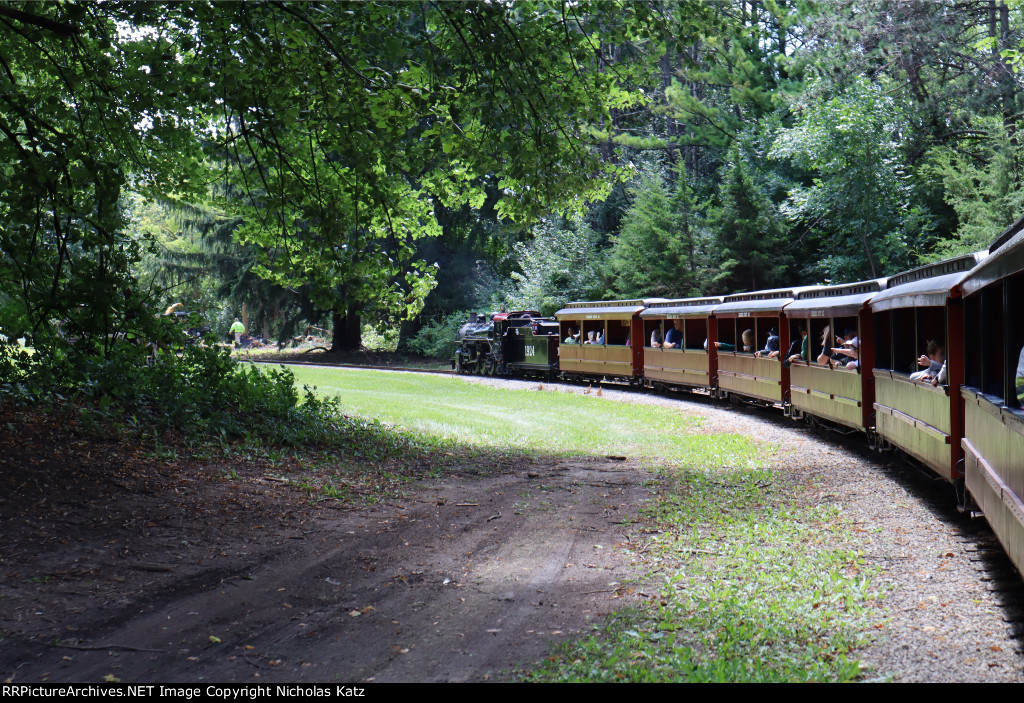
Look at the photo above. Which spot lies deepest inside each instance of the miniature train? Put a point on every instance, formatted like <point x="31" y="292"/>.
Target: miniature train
<point x="968" y="429"/>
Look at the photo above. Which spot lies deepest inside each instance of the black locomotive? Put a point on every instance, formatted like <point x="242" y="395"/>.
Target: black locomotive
<point x="508" y="343"/>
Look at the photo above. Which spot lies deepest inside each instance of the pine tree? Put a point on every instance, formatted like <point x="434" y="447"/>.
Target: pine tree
<point x="653" y="254"/>
<point x="749" y="235"/>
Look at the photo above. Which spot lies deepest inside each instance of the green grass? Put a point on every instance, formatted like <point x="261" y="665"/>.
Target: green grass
<point x="559" y="423"/>
<point x="754" y="588"/>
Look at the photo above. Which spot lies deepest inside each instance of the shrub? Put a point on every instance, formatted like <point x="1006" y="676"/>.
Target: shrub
<point x="437" y="338"/>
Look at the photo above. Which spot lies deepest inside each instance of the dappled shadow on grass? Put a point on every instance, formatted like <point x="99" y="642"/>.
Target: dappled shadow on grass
<point x="354" y="459"/>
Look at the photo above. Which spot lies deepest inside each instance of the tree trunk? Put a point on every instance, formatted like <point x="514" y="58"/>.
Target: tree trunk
<point x="348" y="332"/>
<point x="408" y="330"/>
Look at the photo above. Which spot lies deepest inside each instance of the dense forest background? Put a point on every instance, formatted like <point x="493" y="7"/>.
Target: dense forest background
<point x="790" y="143"/>
<point x="385" y="167"/>
<point x="795" y="143"/>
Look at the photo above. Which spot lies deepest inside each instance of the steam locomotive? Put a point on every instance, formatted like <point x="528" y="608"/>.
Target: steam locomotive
<point x="842" y="355"/>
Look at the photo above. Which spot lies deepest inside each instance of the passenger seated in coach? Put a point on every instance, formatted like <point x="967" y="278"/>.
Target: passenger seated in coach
<point x="804" y="351"/>
<point x="771" y="347"/>
<point x="573" y="337"/>
<point x="591" y="337"/>
<point x="828" y="352"/>
<point x="656" y="338"/>
<point x="748" y="340"/>
<point x="600" y="337"/>
<point x="934" y="358"/>
<point x="826" y="344"/>
<point x="674" y="335"/>
<point x="850" y="348"/>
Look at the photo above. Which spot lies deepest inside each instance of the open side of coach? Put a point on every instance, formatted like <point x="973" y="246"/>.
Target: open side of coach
<point x="740" y="370"/>
<point x="691" y="364"/>
<point x="921" y="417"/>
<point x="993" y="442"/>
<point x="841" y="389"/>
<point x="619" y="354"/>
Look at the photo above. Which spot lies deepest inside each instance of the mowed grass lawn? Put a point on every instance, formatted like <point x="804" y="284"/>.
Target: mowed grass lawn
<point x="494" y="418"/>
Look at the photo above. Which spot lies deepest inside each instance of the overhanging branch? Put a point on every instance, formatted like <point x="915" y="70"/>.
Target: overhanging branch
<point x="64" y="30"/>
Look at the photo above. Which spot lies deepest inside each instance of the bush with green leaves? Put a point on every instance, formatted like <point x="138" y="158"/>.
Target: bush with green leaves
<point x="436" y="338"/>
<point x="16" y="370"/>
<point x="199" y="391"/>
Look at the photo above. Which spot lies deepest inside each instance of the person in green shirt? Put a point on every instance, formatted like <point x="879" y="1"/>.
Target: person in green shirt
<point x="237" y="329"/>
<point x="805" y="351"/>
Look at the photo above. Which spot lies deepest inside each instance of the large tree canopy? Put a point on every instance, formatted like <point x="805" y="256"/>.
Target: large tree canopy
<point x="333" y="129"/>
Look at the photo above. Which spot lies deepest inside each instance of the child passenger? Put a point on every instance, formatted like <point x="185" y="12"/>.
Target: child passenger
<point x="934" y="359"/>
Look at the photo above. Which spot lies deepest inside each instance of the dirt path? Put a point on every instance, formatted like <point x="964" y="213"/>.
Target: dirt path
<point x="169" y="578"/>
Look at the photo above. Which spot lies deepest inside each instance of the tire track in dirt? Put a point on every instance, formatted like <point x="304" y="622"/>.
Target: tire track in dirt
<point x="467" y="578"/>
